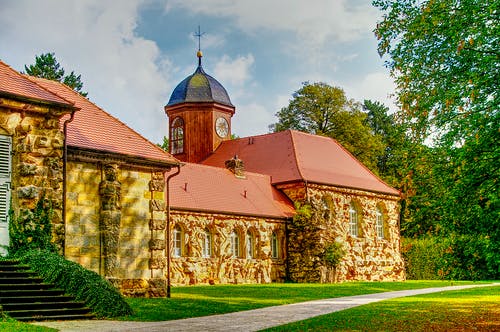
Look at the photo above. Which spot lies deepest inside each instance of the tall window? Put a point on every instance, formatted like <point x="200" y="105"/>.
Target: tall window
<point x="353" y="220"/>
<point x="207" y="244"/>
<point x="380" y="223"/>
<point x="274" y="246"/>
<point x="5" y="180"/>
<point x="177" y="241"/>
<point x="250" y="245"/>
<point x="177" y="136"/>
<point x="235" y="244"/>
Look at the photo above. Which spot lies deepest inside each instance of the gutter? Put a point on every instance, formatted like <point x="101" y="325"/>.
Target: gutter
<point x="167" y="247"/>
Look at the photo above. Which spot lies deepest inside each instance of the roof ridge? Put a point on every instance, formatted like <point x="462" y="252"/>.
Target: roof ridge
<point x="86" y="100"/>
<point x="363" y="165"/>
<point x="294" y="149"/>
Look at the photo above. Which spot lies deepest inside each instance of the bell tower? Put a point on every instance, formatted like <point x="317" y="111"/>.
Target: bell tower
<point x="199" y="116"/>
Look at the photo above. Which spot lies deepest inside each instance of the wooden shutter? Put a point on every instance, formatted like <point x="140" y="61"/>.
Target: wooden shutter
<point x="5" y="173"/>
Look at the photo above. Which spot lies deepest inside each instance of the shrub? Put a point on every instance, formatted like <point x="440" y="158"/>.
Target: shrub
<point x="461" y="257"/>
<point x="85" y="285"/>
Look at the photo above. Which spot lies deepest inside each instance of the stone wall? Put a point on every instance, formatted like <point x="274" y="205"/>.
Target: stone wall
<point x="37" y="147"/>
<point x="140" y="260"/>
<point x="222" y="267"/>
<point x="367" y="257"/>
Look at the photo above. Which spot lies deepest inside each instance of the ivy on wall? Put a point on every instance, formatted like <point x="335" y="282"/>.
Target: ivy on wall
<point x="32" y="229"/>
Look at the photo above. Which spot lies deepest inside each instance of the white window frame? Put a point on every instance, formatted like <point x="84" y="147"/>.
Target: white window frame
<point x="250" y="245"/>
<point x="353" y="220"/>
<point x="379" y="224"/>
<point x="235" y="244"/>
<point x="274" y="246"/>
<point x="177" y="241"/>
<point x="206" y="250"/>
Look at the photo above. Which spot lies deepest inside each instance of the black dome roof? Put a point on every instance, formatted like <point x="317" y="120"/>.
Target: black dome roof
<point x="199" y="87"/>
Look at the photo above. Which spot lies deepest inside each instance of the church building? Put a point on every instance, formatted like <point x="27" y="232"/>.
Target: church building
<point x="215" y="210"/>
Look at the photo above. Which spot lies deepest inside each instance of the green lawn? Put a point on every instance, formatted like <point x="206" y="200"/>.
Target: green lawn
<point x="194" y="301"/>
<point x="475" y="309"/>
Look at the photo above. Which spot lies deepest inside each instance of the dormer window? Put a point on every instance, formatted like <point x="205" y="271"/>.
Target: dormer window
<point x="177" y="136"/>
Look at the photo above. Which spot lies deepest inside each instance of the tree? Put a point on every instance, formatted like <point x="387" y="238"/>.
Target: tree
<point x="46" y="66"/>
<point x="322" y="109"/>
<point x="165" y="145"/>
<point x="444" y="55"/>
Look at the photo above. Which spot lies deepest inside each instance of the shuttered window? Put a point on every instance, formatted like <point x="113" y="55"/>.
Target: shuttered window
<point x="5" y="170"/>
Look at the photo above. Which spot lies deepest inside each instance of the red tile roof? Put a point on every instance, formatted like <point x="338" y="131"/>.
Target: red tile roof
<point x="290" y="156"/>
<point x="214" y="189"/>
<point x="14" y="83"/>
<point x="93" y="128"/>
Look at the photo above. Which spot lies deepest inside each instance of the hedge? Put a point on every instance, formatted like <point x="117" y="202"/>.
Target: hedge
<point x="85" y="285"/>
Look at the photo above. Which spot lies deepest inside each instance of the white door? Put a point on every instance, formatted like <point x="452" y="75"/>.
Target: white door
<point x="5" y="178"/>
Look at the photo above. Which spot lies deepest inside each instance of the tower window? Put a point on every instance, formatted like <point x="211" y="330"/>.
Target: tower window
<point x="177" y="136"/>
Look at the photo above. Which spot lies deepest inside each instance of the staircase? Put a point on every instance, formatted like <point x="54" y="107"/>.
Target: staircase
<point x="25" y="297"/>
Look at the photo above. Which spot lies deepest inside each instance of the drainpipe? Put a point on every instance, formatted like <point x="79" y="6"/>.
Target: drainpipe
<point x="65" y="161"/>
<point x="167" y="249"/>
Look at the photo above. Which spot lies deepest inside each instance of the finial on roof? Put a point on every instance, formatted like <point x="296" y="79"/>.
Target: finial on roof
<point x="199" y="54"/>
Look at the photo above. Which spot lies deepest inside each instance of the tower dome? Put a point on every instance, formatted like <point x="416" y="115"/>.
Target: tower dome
<point x="199" y="88"/>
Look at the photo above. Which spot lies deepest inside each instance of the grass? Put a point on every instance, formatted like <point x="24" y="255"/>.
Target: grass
<point x="476" y="309"/>
<point x="195" y="301"/>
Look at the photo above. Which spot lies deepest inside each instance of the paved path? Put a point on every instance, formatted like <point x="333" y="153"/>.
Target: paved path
<point x="250" y="320"/>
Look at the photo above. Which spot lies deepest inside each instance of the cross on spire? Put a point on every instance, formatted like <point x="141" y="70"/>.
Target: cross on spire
<point x="199" y="34"/>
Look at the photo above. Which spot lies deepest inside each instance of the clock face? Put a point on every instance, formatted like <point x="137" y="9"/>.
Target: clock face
<point x="221" y="127"/>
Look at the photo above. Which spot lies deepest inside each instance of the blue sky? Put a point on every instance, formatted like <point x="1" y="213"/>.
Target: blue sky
<point x="131" y="53"/>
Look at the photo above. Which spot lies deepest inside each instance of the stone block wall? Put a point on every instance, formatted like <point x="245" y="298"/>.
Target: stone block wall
<point x="141" y="205"/>
<point x="37" y="147"/>
<point x="222" y="267"/>
<point x="367" y="257"/>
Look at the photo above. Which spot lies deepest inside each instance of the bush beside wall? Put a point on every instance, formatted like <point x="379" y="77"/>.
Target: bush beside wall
<point x="85" y="285"/>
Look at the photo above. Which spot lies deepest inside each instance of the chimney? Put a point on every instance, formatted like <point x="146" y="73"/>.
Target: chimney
<point x="236" y="166"/>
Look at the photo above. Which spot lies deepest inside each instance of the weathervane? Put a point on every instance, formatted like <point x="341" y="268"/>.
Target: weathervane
<point x="199" y="34"/>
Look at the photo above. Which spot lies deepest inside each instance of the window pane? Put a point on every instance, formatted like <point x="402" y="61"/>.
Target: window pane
<point x="380" y="223"/>
<point x="207" y="245"/>
<point x="353" y="220"/>
<point x="274" y="246"/>
<point x="177" y="242"/>
<point x="250" y="245"/>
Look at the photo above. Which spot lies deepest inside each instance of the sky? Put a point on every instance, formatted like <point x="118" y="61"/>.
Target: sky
<point x="132" y="53"/>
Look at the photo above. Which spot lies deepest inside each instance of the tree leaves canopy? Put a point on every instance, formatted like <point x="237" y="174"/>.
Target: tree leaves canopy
<point x="325" y="110"/>
<point x="46" y="66"/>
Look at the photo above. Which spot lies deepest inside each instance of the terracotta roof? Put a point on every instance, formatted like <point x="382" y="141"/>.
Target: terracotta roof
<point x="93" y="128"/>
<point x="290" y="156"/>
<point x="213" y="189"/>
<point x="19" y="85"/>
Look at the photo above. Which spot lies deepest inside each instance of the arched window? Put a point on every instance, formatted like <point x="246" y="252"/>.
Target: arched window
<point x="177" y="241"/>
<point x="380" y="223"/>
<point x="207" y="244"/>
<point x="353" y="220"/>
<point x="177" y="136"/>
<point x="235" y="244"/>
<point x="274" y="246"/>
<point x="250" y="245"/>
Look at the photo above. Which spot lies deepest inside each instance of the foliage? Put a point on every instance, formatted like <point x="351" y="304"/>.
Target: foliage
<point x="32" y="229"/>
<point x="333" y="254"/>
<point x="14" y="325"/>
<point x="46" y="66"/>
<point x="322" y="109"/>
<point x="195" y="301"/>
<point x="444" y="57"/>
<point x="85" y="285"/>
<point x="165" y="145"/>
<point x="471" y="309"/>
<point x="454" y="258"/>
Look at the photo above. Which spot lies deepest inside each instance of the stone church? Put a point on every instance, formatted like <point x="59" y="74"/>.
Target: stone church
<point x="214" y="210"/>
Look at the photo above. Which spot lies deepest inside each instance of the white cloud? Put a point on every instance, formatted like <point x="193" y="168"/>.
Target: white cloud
<point x="97" y="40"/>
<point x="376" y="86"/>
<point x="312" y="21"/>
<point x="250" y="119"/>
<point x="234" y="71"/>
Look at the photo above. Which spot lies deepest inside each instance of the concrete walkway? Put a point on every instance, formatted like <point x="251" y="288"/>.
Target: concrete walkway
<point x="250" y="320"/>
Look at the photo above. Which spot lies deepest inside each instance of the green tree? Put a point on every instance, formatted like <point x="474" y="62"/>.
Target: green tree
<point x="444" y="55"/>
<point x="46" y="66"/>
<point x="325" y="110"/>
<point x="165" y="145"/>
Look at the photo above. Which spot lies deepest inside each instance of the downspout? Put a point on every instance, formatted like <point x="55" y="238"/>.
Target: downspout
<point x="167" y="249"/>
<point x="65" y="161"/>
